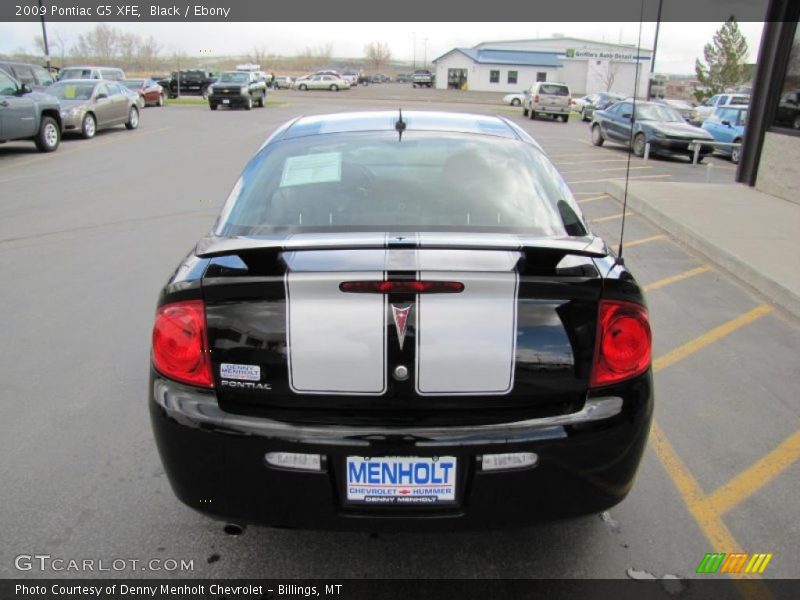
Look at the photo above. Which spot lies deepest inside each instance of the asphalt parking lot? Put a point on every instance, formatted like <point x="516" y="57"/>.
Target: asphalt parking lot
<point x="90" y="233"/>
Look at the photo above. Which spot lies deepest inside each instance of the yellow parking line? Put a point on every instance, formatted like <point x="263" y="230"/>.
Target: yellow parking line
<point x="588" y="162"/>
<point x="604" y="170"/>
<point x="646" y="240"/>
<point x="618" y="179"/>
<point x="593" y="198"/>
<point x="715" y="530"/>
<point x="610" y="217"/>
<point x="764" y="470"/>
<point x="675" y="278"/>
<point x="689" y="348"/>
<point x="706" y="514"/>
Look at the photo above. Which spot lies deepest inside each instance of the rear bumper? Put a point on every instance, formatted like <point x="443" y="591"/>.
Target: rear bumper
<point x="215" y="463"/>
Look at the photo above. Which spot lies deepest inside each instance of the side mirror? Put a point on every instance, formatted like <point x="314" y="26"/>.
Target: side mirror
<point x="25" y="89"/>
<point x="101" y="96"/>
<point x="627" y="116"/>
<point x="726" y="123"/>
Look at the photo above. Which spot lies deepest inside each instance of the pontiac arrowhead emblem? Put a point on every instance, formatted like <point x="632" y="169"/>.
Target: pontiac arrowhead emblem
<point x="400" y="314"/>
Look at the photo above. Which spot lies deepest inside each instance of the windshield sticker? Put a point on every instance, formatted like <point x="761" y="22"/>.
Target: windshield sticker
<point x="312" y="168"/>
<point x="69" y="92"/>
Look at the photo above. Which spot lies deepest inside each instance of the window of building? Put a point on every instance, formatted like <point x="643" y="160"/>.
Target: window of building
<point x="512" y="76"/>
<point x="787" y="113"/>
<point x="541" y="76"/>
<point x="494" y="76"/>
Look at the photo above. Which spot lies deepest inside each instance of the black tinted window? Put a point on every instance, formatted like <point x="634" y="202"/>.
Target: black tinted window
<point x="554" y="90"/>
<point x="374" y="180"/>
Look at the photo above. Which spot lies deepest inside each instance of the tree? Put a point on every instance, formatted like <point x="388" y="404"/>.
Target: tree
<point x="377" y="55"/>
<point x="607" y="74"/>
<point x="724" y="62"/>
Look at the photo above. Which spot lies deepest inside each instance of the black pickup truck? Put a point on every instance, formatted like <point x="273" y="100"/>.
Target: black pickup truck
<point x="190" y="81"/>
<point x="237" y="88"/>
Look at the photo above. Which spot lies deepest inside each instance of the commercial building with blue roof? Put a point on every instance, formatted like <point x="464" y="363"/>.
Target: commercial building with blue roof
<point x="514" y="65"/>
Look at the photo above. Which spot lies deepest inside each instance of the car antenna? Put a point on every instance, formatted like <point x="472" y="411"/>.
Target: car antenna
<point x="620" y="260"/>
<point x="400" y="125"/>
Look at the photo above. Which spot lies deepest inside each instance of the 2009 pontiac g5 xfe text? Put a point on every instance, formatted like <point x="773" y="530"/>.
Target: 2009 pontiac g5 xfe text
<point x="400" y="320"/>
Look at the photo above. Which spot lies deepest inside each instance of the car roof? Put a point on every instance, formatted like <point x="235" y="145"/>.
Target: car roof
<point x="385" y="121"/>
<point x="92" y="81"/>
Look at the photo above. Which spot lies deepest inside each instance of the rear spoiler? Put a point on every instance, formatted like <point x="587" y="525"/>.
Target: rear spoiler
<point x="589" y="246"/>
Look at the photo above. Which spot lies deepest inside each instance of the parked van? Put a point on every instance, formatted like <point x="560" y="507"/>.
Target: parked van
<point x="35" y="77"/>
<point x="547" y="98"/>
<point x="92" y="73"/>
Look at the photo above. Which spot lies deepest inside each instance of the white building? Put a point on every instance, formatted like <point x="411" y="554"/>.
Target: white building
<point x="512" y="66"/>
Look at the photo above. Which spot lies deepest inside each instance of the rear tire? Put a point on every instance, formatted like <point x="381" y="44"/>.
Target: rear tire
<point x="49" y="136"/>
<point x="565" y="118"/>
<point x="133" y="118"/>
<point x="533" y="114"/>
<point x="515" y="102"/>
<point x="583" y="115"/>
<point x="249" y="104"/>
<point x="161" y="101"/>
<point x="212" y="106"/>
<point x="334" y="88"/>
<point x="736" y="153"/>
<point x="262" y="100"/>
<point x="639" y="144"/>
<point x="597" y="135"/>
<point x="524" y="112"/>
<point x="302" y="87"/>
<point x="88" y="126"/>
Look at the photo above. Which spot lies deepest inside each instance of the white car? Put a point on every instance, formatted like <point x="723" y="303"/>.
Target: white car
<point x="514" y="99"/>
<point x="283" y="82"/>
<point x="321" y="82"/>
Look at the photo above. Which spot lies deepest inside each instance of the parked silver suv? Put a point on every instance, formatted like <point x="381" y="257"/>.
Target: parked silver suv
<point x="547" y="98"/>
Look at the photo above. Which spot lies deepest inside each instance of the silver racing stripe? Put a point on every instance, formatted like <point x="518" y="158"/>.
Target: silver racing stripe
<point x="336" y="341"/>
<point x="466" y="342"/>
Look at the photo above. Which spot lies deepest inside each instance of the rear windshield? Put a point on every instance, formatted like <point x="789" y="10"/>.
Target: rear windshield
<point x="428" y="181"/>
<point x="133" y="84"/>
<point x="554" y="90"/>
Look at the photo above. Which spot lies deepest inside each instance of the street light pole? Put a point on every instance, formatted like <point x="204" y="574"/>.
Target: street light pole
<point x="655" y="49"/>
<point x="425" y="55"/>
<point x="44" y="38"/>
<point x="414" y="35"/>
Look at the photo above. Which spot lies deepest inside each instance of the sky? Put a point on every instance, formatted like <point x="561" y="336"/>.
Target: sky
<point x="679" y="43"/>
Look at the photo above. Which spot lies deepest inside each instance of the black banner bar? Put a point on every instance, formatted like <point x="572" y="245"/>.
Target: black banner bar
<point x="375" y="10"/>
<point x="405" y="589"/>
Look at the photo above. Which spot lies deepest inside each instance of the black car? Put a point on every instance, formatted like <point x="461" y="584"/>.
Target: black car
<point x="400" y="322"/>
<point x="788" y="111"/>
<point x="237" y="88"/>
<point x="656" y="124"/>
<point x="187" y="82"/>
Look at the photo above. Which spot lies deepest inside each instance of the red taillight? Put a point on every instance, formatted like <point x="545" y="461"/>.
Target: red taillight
<point x="399" y="286"/>
<point x="180" y="350"/>
<point x="536" y="98"/>
<point x="623" y="345"/>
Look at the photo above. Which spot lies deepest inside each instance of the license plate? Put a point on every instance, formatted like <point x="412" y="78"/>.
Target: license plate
<point x="226" y="101"/>
<point x="401" y="480"/>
